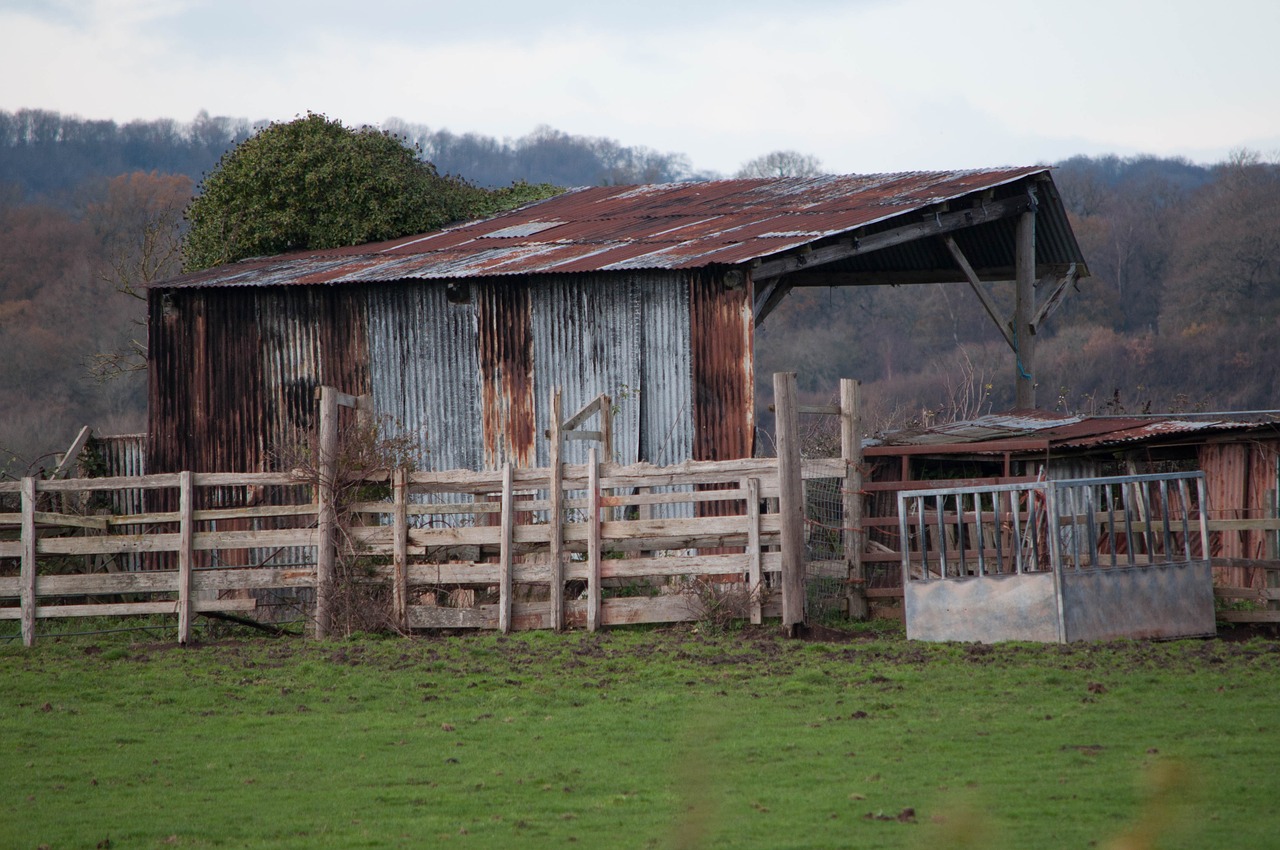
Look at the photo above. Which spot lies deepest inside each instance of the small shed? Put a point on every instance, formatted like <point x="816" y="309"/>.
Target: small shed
<point x="649" y="294"/>
<point x="1240" y="460"/>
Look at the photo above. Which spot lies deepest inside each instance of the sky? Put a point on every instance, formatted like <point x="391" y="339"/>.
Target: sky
<point x="864" y="85"/>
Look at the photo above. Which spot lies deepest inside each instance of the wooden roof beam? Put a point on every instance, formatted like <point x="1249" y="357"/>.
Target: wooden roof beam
<point x="1002" y="324"/>
<point x="934" y="225"/>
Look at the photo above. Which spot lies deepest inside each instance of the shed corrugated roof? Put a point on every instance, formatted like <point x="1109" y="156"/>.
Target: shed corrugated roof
<point x="1057" y="429"/>
<point x="611" y="228"/>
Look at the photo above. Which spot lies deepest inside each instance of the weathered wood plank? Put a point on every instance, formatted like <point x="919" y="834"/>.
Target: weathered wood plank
<point x="853" y="535"/>
<point x="132" y="609"/>
<point x="676" y="608"/>
<point x="1259" y="594"/>
<point x="327" y="520"/>
<point x="186" y="556"/>
<point x="69" y="520"/>
<point x="1248" y="616"/>
<point x="253" y="578"/>
<point x="593" y="542"/>
<point x="400" y="547"/>
<point x="791" y="499"/>
<point x="429" y="617"/>
<point x="755" y="559"/>
<point x="506" y="550"/>
<point x="555" y="514"/>
<point x="27" y="605"/>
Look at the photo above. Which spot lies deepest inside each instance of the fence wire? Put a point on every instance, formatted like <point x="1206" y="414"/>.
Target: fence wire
<point x="826" y="568"/>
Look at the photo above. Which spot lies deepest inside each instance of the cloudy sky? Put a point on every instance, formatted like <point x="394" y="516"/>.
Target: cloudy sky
<point x="865" y="85"/>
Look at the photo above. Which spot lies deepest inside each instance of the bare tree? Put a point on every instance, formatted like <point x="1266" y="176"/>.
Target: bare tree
<point x="781" y="164"/>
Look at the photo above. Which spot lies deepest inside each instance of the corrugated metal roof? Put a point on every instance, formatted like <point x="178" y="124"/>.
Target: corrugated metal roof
<point x="611" y="228"/>
<point x="1057" y="429"/>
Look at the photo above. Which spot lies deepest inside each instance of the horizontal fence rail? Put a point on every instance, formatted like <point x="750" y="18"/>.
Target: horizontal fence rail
<point x="501" y="549"/>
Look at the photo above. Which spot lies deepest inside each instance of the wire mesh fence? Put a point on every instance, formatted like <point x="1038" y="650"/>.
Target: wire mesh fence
<point x="826" y="566"/>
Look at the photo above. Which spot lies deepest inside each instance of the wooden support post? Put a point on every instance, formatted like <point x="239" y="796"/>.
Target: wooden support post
<point x="854" y="536"/>
<point x="186" y="555"/>
<point x="400" y="546"/>
<point x="593" y="541"/>
<point x="606" y="426"/>
<point x="27" y="600"/>
<point x="755" y="577"/>
<point x="1024" y="312"/>
<point x="1271" y="548"/>
<point x="790" y="500"/>
<point x="506" y="550"/>
<point x="555" y="513"/>
<point x="326" y="491"/>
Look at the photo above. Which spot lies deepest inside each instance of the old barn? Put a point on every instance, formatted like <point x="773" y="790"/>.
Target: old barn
<point x="649" y="294"/>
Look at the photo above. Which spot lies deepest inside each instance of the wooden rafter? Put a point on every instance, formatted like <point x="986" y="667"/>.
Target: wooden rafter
<point x="1055" y="298"/>
<point x="934" y="225"/>
<point x="992" y="310"/>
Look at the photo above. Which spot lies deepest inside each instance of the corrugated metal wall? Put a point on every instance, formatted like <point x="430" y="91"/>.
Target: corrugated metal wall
<point x="468" y="373"/>
<point x="721" y="344"/>
<point x="424" y="372"/>
<point x="233" y="372"/>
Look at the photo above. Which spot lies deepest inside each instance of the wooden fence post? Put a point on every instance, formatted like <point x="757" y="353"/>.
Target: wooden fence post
<point x="790" y="500"/>
<point x="400" y="546"/>
<point x="186" y="553"/>
<point x="854" y="540"/>
<point x="506" y="550"/>
<point x="27" y="601"/>
<point x="555" y="513"/>
<point x="606" y="426"/>
<point x="593" y="541"/>
<point x="755" y="583"/>
<point x="326" y="488"/>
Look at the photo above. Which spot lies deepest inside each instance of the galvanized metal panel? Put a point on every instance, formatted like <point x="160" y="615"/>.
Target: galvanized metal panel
<point x="424" y="372"/>
<point x="1152" y="601"/>
<point x="587" y="341"/>
<point x="666" y="379"/>
<point x="988" y="609"/>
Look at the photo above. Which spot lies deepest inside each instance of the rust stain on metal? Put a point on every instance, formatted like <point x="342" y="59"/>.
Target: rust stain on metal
<point x="611" y="228"/>
<point x="720" y="338"/>
<point x="506" y="373"/>
<point x="233" y="376"/>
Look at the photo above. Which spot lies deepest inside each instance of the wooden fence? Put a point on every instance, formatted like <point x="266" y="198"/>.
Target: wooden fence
<point x="575" y="545"/>
<point x="192" y="555"/>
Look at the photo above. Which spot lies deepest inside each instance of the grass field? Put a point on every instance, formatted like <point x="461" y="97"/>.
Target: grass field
<point x="639" y="738"/>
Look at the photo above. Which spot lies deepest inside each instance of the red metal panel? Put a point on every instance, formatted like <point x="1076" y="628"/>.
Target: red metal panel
<point x="506" y="373"/>
<point x="720" y="330"/>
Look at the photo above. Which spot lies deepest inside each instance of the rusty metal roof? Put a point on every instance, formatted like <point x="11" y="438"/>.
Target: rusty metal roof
<point x="612" y="228"/>
<point x="1058" y="430"/>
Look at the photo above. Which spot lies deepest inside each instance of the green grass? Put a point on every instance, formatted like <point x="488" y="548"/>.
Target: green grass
<point x="638" y="738"/>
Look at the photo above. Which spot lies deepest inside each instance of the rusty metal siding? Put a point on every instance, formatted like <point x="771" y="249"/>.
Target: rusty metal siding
<point x="720" y="329"/>
<point x="505" y="346"/>
<point x="424" y="372"/>
<point x="233" y="373"/>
